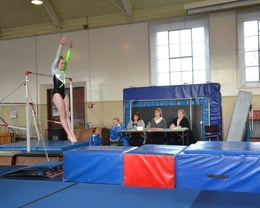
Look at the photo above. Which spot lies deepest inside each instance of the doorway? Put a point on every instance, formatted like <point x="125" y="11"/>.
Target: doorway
<point x="55" y="131"/>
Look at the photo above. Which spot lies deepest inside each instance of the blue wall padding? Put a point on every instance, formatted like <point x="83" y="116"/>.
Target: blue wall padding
<point x="229" y="166"/>
<point x="158" y="149"/>
<point x="177" y="91"/>
<point x="211" y="91"/>
<point x="103" y="164"/>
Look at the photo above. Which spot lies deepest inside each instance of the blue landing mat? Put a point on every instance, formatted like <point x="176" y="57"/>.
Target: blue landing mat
<point x="38" y="170"/>
<point x="220" y="199"/>
<point x="16" y="193"/>
<point x="17" y="169"/>
<point x="35" y="194"/>
<point x="100" y="196"/>
<point x="158" y="149"/>
<point x="7" y="168"/>
<point x="36" y="146"/>
<point x="224" y="148"/>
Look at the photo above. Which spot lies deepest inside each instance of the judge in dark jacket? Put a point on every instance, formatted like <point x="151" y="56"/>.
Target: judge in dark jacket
<point x="180" y="122"/>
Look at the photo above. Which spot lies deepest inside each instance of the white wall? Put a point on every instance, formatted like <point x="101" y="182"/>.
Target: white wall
<point x="106" y="60"/>
<point x="16" y="56"/>
<point x="223" y="51"/>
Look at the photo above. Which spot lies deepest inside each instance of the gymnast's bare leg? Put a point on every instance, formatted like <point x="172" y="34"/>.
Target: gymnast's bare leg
<point x="62" y="106"/>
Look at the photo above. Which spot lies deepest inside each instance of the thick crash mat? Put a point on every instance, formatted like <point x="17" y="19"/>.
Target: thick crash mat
<point x="95" y="164"/>
<point x="151" y="166"/>
<point x="230" y="166"/>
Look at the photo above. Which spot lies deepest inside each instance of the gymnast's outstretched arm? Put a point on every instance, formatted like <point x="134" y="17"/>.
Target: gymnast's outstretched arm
<point x="58" y="54"/>
<point x="67" y="58"/>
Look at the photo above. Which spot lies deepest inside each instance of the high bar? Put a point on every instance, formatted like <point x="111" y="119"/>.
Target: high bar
<point x="45" y="75"/>
<point x="13" y="127"/>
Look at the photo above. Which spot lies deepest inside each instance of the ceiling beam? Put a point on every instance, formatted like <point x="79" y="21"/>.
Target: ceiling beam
<point x="123" y="10"/>
<point x="52" y="13"/>
<point x="128" y="8"/>
<point x="217" y="5"/>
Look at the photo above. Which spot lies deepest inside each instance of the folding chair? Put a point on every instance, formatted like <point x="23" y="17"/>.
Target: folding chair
<point x="212" y="131"/>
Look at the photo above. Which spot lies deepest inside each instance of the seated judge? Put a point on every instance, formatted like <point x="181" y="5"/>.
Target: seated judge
<point x="179" y="122"/>
<point x="156" y="123"/>
<point x="136" y="138"/>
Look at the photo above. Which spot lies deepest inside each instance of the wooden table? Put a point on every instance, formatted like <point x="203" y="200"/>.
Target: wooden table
<point x="180" y="131"/>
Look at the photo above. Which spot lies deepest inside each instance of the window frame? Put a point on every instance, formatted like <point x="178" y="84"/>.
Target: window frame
<point x="174" y="24"/>
<point x="244" y="16"/>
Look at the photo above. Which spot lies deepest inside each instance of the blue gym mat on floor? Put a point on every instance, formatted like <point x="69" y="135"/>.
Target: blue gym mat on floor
<point x="37" y="146"/>
<point x="35" y="194"/>
<point x="222" y="199"/>
<point x="16" y="193"/>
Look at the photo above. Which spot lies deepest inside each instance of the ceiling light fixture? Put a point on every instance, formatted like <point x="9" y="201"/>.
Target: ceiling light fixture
<point x="37" y="2"/>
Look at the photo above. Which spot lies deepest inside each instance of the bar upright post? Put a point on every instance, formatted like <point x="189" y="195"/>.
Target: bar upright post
<point x="71" y="105"/>
<point x="28" y="136"/>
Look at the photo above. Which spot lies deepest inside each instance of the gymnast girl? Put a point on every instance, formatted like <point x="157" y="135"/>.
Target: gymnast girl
<point x="60" y="98"/>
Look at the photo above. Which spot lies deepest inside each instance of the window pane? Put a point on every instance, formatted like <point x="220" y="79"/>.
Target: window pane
<point x="162" y="52"/>
<point x="185" y="36"/>
<point x="175" y="51"/>
<point x="186" y="49"/>
<point x="199" y="76"/>
<point x="198" y="49"/>
<point x="174" y="37"/>
<point x="186" y="64"/>
<point x="181" y="53"/>
<point x="162" y="38"/>
<point x="251" y="58"/>
<point x="187" y="77"/>
<point x="198" y="34"/>
<point x="163" y="65"/>
<point x="251" y="43"/>
<point x="199" y="63"/>
<point x="176" y="78"/>
<point x="176" y="65"/>
<point x="250" y="28"/>
<point x="252" y="74"/>
<point x="163" y="79"/>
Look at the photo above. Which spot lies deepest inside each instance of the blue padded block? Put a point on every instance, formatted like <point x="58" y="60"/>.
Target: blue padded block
<point x="95" y="164"/>
<point x="226" y="148"/>
<point x="154" y="149"/>
<point x="230" y="166"/>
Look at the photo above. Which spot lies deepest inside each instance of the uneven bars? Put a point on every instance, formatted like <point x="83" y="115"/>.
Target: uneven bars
<point x="71" y="107"/>
<point x="27" y="113"/>
<point x="45" y="75"/>
<point x="27" y="73"/>
<point x="13" y="127"/>
<point x="15" y="103"/>
<point x="51" y="121"/>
